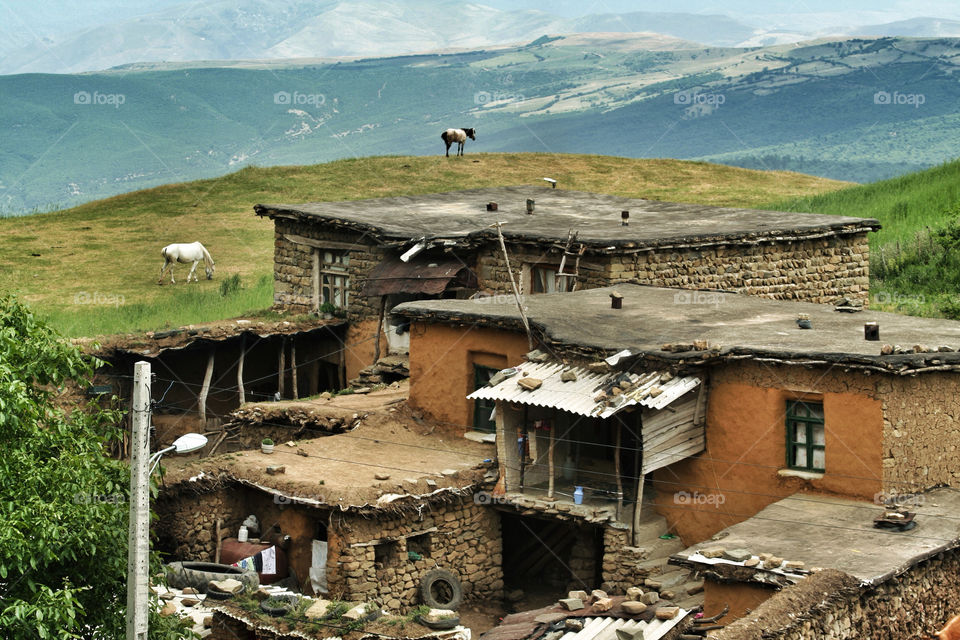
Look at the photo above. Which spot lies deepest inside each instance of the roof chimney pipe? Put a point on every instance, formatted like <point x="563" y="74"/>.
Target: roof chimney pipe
<point x="616" y="300"/>
<point x="624" y="218"/>
<point x="530" y="204"/>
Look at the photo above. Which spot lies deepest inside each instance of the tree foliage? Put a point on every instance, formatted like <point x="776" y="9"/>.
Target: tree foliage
<point x="63" y="537"/>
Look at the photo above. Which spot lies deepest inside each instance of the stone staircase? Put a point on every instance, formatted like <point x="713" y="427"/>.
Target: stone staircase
<point x="679" y="585"/>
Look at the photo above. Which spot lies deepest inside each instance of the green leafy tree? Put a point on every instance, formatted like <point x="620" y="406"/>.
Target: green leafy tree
<point x="63" y="500"/>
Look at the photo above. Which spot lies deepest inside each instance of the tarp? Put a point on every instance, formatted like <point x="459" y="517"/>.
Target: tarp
<point x="421" y="275"/>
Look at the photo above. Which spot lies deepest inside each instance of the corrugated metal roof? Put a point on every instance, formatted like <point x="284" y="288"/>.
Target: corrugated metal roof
<point x="606" y="628"/>
<point x="581" y="395"/>
<point x="420" y="275"/>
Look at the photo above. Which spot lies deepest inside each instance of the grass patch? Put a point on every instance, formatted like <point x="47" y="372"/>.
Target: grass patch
<point x="914" y="262"/>
<point x="110" y="249"/>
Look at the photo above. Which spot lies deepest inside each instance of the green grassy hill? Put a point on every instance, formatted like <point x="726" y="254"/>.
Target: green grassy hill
<point x="914" y="265"/>
<point x="93" y="269"/>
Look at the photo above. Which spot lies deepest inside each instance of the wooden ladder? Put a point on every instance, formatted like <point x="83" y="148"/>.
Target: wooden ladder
<point x="570" y="252"/>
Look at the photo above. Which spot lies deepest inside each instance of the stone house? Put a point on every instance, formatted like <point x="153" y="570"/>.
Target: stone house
<point x="364" y="257"/>
<point x="787" y="410"/>
<point x="361" y="521"/>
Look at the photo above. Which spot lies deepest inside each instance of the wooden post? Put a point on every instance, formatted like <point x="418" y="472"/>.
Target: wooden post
<point x="293" y="367"/>
<point x="243" y="353"/>
<point x="314" y="376"/>
<point x="513" y="283"/>
<point x="216" y="557"/>
<point x="342" y="369"/>
<point x="205" y="389"/>
<point x="637" y="509"/>
<point x="282" y="366"/>
<point x="550" y="463"/>
<point x="616" y="466"/>
<point x="376" y="344"/>
<point x="315" y="257"/>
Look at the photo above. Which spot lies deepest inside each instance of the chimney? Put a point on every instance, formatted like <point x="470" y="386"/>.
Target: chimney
<point x="492" y="206"/>
<point x="530" y="204"/>
<point x="616" y="300"/>
<point x="624" y="218"/>
<point x="871" y="331"/>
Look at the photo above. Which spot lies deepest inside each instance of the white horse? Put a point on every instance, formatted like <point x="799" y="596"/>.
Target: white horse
<point x="193" y="252"/>
<point x="458" y="136"/>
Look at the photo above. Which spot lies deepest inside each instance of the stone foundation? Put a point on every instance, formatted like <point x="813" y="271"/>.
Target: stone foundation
<point x="461" y="537"/>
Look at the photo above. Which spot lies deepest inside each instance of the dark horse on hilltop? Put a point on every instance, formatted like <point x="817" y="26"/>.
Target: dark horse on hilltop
<point x="459" y="136"/>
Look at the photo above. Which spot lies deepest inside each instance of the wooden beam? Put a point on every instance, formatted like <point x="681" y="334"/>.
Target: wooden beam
<point x="325" y="244"/>
<point x="205" y="389"/>
<point x="293" y="368"/>
<point x="376" y="344"/>
<point x="616" y="465"/>
<point x="282" y="366"/>
<point x="315" y="279"/>
<point x="550" y="462"/>
<point x="636" y="511"/>
<point x="216" y="555"/>
<point x="243" y="350"/>
<point x="372" y="543"/>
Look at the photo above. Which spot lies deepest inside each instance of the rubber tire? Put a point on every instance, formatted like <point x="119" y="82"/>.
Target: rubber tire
<point x="180" y="575"/>
<point x="293" y="602"/>
<point x="435" y="576"/>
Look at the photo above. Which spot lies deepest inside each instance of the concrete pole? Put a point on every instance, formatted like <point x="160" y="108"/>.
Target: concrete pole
<point x="243" y="353"/>
<point x="138" y="550"/>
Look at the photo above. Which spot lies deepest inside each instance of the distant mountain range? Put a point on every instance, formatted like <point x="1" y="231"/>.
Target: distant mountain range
<point x="854" y="108"/>
<point x="111" y="34"/>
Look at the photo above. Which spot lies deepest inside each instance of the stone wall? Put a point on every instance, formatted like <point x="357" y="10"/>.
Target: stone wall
<point x="467" y="542"/>
<point x="828" y="604"/>
<point x="921" y="431"/>
<point x="186" y="522"/>
<point x="293" y="268"/>
<point x="621" y="561"/>
<point x="818" y="270"/>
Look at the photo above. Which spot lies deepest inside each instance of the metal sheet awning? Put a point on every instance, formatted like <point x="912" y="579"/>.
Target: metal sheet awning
<point x="421" y="275"/>
<point x="583" y="395"/>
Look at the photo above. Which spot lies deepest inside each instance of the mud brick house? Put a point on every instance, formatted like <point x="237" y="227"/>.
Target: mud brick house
<point x="370" y="513"/>
<point x="774" y="569"/>
<point x="787" y="410"/>
<point x="366" y="256"/>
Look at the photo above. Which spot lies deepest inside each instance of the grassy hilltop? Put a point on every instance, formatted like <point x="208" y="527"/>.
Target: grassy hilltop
<point x="915" y="258"/>
<point x="93" y="269"/>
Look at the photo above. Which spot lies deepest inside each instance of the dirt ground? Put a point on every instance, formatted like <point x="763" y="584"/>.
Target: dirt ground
<point x="390" y="452"/>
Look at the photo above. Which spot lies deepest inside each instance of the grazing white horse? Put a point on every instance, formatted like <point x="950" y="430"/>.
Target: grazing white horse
<point x="459" y="136"/>
<point x="190" y="252"/>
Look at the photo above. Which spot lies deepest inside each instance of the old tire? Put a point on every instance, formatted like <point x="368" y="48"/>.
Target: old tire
<point x="440" y="589"/>
<point x="181" y="575"/>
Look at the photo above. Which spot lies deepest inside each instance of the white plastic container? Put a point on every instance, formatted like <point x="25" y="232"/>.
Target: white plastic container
<point x="242" y="534"/>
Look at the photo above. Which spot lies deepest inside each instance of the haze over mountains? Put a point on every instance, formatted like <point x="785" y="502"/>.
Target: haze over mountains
<point x="43" y="38"/>
<point x="203" y="88"/>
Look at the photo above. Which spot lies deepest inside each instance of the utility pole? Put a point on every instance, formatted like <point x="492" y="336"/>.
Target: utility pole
<point x="138" y="555"/>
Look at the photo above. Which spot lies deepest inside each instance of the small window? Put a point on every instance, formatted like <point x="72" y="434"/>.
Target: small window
<point x="545" y="280"/>
<point x="419" y="544"/>
<point x="385" y="554"/>
<point x="335" y="278"/>
<point x="483" y="409"/>
<point x="806" y="436"/>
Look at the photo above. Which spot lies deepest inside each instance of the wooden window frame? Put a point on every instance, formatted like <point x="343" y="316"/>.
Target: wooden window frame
<point x="809" y="423"/>
<point x="567" y="282"/>
<point x="334" y="277"/>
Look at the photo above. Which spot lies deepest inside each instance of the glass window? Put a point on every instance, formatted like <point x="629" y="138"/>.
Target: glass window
<point x="335" y="278"/>
<point x="806" y="436"/>
<point x="545" y="280"/>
